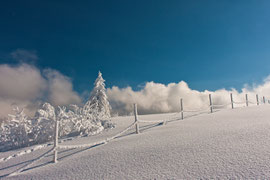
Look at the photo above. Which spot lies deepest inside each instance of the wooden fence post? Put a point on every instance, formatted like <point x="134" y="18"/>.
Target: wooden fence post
<point x="247" y="99"/>
<point x="210" y="101"/>
<point x="136" y="119"/>
<point x="257" y="98"/>
<point x="232" y="100"/>
<point x="55" y="140"/>
<point x="181" y="108"/>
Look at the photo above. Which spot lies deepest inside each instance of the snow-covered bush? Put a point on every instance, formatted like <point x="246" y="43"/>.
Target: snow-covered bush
<point x="16" y="132"/>
<point x="43" y="123"/>
<point x="83" y="123"/>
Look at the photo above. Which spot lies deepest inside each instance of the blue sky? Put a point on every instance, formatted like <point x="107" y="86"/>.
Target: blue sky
<point x="209" y="44"/>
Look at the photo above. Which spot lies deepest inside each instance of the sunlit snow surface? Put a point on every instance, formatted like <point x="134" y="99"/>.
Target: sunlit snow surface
<point x="228" y="144"/>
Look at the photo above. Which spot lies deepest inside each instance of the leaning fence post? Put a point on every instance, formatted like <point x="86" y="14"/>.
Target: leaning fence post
<point x="263" y="100"/>
<point x="257" y="98"/>
<point x="210" y="101"/>
<point x="232" y="100"/>
<point x="55" y="140"/>
<point x="181" y="108"/>
<point x="247" y="99"/>
<point x="136" y="119"/>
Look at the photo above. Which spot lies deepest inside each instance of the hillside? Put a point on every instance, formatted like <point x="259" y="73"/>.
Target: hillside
<point x="226" y="144"/>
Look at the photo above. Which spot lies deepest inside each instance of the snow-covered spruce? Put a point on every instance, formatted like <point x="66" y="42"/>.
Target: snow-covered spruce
<point x="98" y="105"/>
<point x="97" y="108"/>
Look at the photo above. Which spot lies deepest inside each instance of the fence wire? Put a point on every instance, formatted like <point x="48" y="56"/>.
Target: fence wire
<point x="98" y="142"/>
<point x="197" y="110"/>
<point x="29" y="164"/>
<point x="221" y="105"/>
<point x="171" y="117"/>
<point x="251" y="102"/>
<point x="235" y="102"/>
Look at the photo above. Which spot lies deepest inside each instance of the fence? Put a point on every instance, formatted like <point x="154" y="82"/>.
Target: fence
<point x="136" y="123"/>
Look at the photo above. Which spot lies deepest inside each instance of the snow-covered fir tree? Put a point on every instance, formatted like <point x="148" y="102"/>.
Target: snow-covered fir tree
<point x="98" y="107"/>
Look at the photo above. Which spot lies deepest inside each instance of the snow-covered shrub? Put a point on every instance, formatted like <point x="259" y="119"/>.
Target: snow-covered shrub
<point x="75" y="119"/>
<point x="16" y="132"/>
<point x="43" y="125"/>
<point x="83" y="123"/>
<point x="66" y="124"/>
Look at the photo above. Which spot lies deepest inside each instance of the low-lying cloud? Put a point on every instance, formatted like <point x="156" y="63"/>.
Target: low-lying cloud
<point x="26" y="86"/>
<point x="60" y="89"/>
<point x="161" y="98"/>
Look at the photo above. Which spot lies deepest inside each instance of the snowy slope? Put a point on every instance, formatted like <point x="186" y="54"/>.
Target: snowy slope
<point x="228" y="144"/>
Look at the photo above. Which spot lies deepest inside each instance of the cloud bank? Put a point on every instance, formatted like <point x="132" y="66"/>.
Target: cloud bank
<point x="26" y="86"/>
<point x="161" y="98"/>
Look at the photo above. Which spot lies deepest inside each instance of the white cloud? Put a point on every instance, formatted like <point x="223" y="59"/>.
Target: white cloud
<point x="23" y="82"/>
<point x="26" y="86"/>
<point x="60" y="89"/>
<point x="158" y="98"/>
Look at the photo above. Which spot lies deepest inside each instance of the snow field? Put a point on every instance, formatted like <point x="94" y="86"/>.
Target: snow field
<point x="229" y="144"/>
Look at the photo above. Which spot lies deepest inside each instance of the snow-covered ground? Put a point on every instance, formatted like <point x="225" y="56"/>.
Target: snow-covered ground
<point x="228" y="144"/>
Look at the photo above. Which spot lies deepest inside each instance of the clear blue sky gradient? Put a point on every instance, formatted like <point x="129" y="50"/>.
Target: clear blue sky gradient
<point x="210" y="44"/>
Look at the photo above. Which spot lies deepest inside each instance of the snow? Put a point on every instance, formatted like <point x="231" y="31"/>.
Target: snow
<point x="227" y="144"/>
